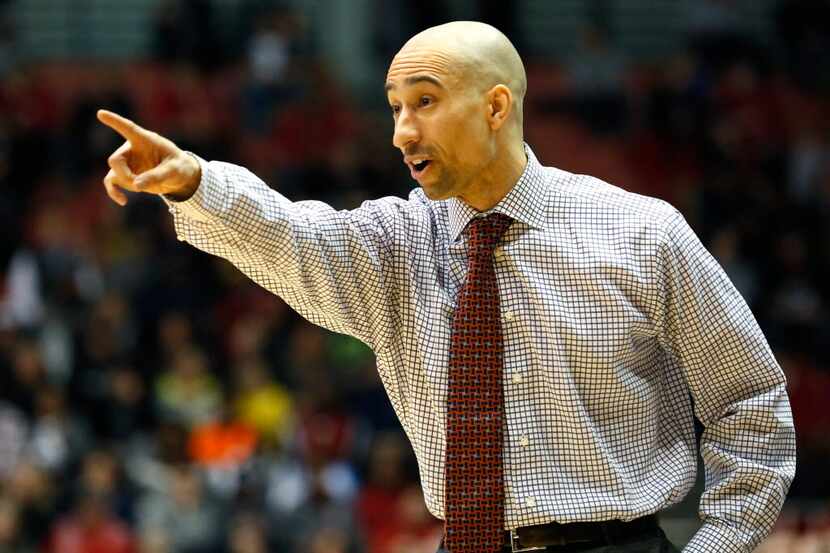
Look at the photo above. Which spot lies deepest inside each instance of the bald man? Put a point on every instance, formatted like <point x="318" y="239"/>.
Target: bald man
<point x="545" y="338"/>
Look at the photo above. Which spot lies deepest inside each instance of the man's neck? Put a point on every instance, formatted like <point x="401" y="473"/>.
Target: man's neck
<point x="502" y="175"/>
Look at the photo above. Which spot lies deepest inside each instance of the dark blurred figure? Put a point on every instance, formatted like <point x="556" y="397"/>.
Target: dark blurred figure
<point x="397" y="20"/>
<point x="248" y="535"/>
<point x="803" y="28"/>
<point x="390" y="508"/>
<point x="83" y="144"/>
<point x="106" y="340"/>
<point x="807" y="385"/>
<point x="101" y="475"/>
<point x="795" y="307"/>
<point x="90" y="528"/>
<point x="184" y="512"/>
<point x="8" y="53"/>
<point x="58" y="437"/>
<point x="14" y="429"/>
<point x="188" y="393"/>
<point x="595" y="74"/>
<point x="310" y="134"/>
<point x="20" y="385"/>
<point x="12" y="539"/>
<point x="718" y="33"/>
<point x="35" y="492"/>
<point x="185" y="33"/>
<point x="127" y="404"/>
<point x="275" y="48"/>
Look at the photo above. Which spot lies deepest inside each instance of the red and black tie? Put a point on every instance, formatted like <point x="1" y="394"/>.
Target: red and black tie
<point x="474" y="500"/>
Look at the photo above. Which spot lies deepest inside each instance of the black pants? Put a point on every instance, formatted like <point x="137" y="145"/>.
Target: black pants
<point x="649" y="542"/>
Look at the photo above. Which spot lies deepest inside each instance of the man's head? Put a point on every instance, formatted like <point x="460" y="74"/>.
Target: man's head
<point x="456" y="93"/>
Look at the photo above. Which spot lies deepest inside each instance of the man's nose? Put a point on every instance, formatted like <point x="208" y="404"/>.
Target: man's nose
<point x="406" y="130"/>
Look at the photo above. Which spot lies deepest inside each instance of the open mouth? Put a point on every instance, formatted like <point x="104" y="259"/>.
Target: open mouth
<point x="420" y="165"/>
<point x="418" y="168"/>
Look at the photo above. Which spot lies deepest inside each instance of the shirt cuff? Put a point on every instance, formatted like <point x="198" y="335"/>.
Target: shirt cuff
<point x="209" y="195"/>
<point x="715" y="536"/>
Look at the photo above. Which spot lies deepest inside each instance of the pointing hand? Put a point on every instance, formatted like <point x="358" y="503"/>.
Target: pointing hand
<point x="147" y="162"/>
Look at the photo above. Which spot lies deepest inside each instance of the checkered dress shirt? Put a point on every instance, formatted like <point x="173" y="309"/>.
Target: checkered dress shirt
<point x="618" y="327"/>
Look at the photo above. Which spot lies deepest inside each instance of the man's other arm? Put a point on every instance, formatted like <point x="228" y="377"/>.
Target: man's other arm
<point x="748" y="445"/>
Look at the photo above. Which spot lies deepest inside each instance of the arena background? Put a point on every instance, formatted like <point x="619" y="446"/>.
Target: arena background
<point x="155" y="400"/>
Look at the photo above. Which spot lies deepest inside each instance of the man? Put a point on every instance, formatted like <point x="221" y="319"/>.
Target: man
<point x="545" y="338"/>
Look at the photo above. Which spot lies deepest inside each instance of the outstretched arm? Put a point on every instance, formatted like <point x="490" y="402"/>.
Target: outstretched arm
<point x="334" y="267"/>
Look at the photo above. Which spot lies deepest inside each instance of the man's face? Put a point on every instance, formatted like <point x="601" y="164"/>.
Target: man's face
<point x="440" y="122"/>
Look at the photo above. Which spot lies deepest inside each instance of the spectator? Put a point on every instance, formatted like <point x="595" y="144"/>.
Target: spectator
<point x="183" y="512"/>
<point x="188" y="393"/>
<point x="271" y="56"/>
<point x="35" y="492"/>
<point x="101" y="475"/>
<point x="12" y="539"/>
<point x="58" y="437"/>
<point x="184" y="33"/>
<point x="261" y="403"/>
<point x="595" y="75"/>
<point x="14" y="428"/>
<point x="384" y="504"/>
<point x="248" y="535"/>
<point x="90" y="528"/>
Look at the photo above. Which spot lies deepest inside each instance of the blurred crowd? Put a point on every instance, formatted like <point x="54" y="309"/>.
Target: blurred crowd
<point x="153" y="399"/>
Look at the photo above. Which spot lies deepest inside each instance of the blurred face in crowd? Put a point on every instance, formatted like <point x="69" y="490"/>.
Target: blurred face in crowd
<point x="9" y="522"/>
<point x="455" y="92"/>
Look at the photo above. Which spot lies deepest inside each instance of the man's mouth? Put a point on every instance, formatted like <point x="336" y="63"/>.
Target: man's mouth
<point x="419" y="167"/>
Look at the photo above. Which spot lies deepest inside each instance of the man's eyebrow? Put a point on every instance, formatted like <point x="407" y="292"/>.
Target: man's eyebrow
<point x="414" y="80"/>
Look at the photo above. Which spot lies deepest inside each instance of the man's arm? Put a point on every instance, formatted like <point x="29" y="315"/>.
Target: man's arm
<point x="748" y="445"/>
<point x="333" y="267"/>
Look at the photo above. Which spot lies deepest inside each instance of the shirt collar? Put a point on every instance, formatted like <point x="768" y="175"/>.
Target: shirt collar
<point x="525" y="201"/>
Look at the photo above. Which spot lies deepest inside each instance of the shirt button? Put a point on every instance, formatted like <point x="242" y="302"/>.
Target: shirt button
<point x="517" y="378"/>
<point x="509" y="316"/>
<point x="524" y="440"/>
<point x="531" y="502"/>
<point x="498" y="253"/>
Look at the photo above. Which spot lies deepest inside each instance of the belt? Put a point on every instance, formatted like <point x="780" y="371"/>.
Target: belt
<point x="538" y="537"/>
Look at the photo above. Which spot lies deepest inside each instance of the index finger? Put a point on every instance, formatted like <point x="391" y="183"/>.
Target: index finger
<point x="121" y="125"/>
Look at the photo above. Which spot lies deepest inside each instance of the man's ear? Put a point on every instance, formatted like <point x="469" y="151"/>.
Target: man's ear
<point x="500" y="105"/>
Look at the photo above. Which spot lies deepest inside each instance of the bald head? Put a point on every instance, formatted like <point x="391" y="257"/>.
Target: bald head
<point x="475" y="54"/>
<point x="456" y="94"/>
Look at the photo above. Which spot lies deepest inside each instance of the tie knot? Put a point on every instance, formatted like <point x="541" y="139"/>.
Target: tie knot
<point x="485" y="232"/>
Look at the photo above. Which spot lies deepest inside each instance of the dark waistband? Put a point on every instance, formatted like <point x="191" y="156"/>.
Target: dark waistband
<point x="608" y="532"/>
<point x="553" y="533"/>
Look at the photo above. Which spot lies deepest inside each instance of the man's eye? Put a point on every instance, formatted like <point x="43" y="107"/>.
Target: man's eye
<point x="426" y="100"/>
<point x="396" y="109"/>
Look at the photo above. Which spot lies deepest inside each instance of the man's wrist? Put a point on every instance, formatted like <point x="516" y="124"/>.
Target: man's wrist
<point x="192" y="183"/>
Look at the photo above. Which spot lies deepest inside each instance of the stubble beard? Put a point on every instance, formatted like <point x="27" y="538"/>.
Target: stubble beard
<point x="442" y="187"/>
